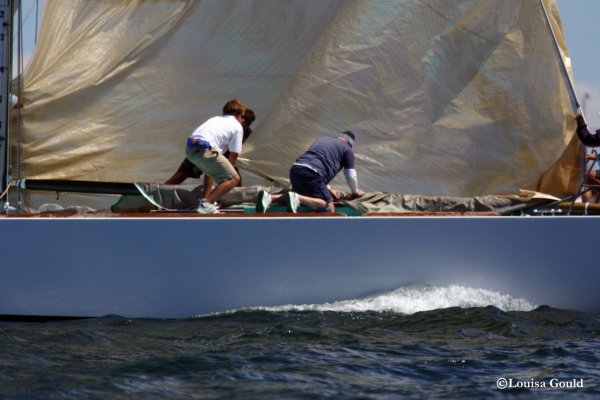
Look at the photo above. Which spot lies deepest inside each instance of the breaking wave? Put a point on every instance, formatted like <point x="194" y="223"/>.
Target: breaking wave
<point x="412" y="299"/>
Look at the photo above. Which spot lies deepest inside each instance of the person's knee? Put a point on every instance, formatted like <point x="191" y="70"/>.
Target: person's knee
<point x="232" y="182"/>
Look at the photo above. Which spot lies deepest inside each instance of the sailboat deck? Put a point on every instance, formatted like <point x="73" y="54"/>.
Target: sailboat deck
<point x="109" y="215"/>
<point x="589" y="209"/>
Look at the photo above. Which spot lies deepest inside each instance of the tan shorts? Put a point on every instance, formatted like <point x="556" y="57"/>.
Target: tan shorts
<point x="213" y="163"/>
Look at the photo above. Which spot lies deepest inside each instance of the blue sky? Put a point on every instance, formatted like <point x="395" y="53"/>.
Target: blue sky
<point x="580" y="26"/>
<point x="580" y="22"/>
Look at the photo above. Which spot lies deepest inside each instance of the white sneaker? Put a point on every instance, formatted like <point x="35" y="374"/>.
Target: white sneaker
<point x="207" y="208"/>
<point x="263" y="202"/>
<point x="292" y="201"/>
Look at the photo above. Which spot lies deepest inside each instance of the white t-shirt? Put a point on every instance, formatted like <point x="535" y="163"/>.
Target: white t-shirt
<point x="222" y="132"/>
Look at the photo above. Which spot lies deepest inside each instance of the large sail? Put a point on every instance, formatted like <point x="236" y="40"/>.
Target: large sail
<point x="446" y="97"/>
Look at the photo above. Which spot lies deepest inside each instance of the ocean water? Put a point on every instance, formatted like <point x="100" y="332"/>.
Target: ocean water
<point x="423" y="342"/>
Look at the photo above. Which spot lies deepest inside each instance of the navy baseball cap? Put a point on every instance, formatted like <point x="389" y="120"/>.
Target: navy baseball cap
<point x="349" y="136"/>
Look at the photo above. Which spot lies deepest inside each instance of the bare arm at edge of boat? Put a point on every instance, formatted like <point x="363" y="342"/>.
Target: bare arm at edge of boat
<point x="338" y="194"/>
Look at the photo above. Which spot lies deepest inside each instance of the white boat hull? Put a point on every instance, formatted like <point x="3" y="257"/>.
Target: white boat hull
<point x="181" y="267"/>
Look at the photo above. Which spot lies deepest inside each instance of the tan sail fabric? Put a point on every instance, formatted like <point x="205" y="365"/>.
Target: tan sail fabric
<point x="446" y="97"/>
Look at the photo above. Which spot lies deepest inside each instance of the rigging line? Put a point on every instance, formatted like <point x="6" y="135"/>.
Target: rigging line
<point x="7" y="188"/>
<point x="569" y="83"/>
<point x="562" y="65"/>
<point x="37" y="13"/>
<point x="17" y="129"/>
<point x="586" y="173"/>
<point x="29" y="12"/>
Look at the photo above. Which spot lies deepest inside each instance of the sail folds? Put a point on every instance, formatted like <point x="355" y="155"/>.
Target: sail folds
<point x="453" y="97"/>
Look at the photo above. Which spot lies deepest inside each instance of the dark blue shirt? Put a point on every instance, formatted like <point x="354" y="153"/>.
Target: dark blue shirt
<point x="584" y="134"/>
<point x="328" y="155"/>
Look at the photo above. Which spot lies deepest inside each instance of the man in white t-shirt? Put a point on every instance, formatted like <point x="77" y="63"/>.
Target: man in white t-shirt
<point x="188" y="170"/>
<point x="205" y="148"/>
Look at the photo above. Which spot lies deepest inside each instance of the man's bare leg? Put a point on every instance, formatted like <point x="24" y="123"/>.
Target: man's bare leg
<point x="222" y="188"/>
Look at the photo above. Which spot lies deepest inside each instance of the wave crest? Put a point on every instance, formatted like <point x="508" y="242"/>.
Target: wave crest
<point x="412" y="299"/>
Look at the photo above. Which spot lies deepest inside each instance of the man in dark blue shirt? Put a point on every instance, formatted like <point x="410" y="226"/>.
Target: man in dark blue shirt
<point x="312" y="172"/>
<point x="587" y="138"/>
<point x="591" y="140"/>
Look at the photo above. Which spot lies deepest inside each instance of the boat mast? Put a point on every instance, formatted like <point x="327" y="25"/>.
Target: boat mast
<point x="6" y="21"/>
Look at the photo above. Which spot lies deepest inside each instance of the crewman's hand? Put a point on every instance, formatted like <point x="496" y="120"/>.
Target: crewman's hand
<point x="359" y="193"/>
<point x="337" y="194"/>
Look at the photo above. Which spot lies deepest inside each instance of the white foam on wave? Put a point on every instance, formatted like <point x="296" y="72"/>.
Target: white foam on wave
<point x="412" y="299"/>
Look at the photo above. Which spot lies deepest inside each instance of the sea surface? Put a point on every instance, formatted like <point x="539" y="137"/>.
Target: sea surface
<point x="415" y="343"/>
